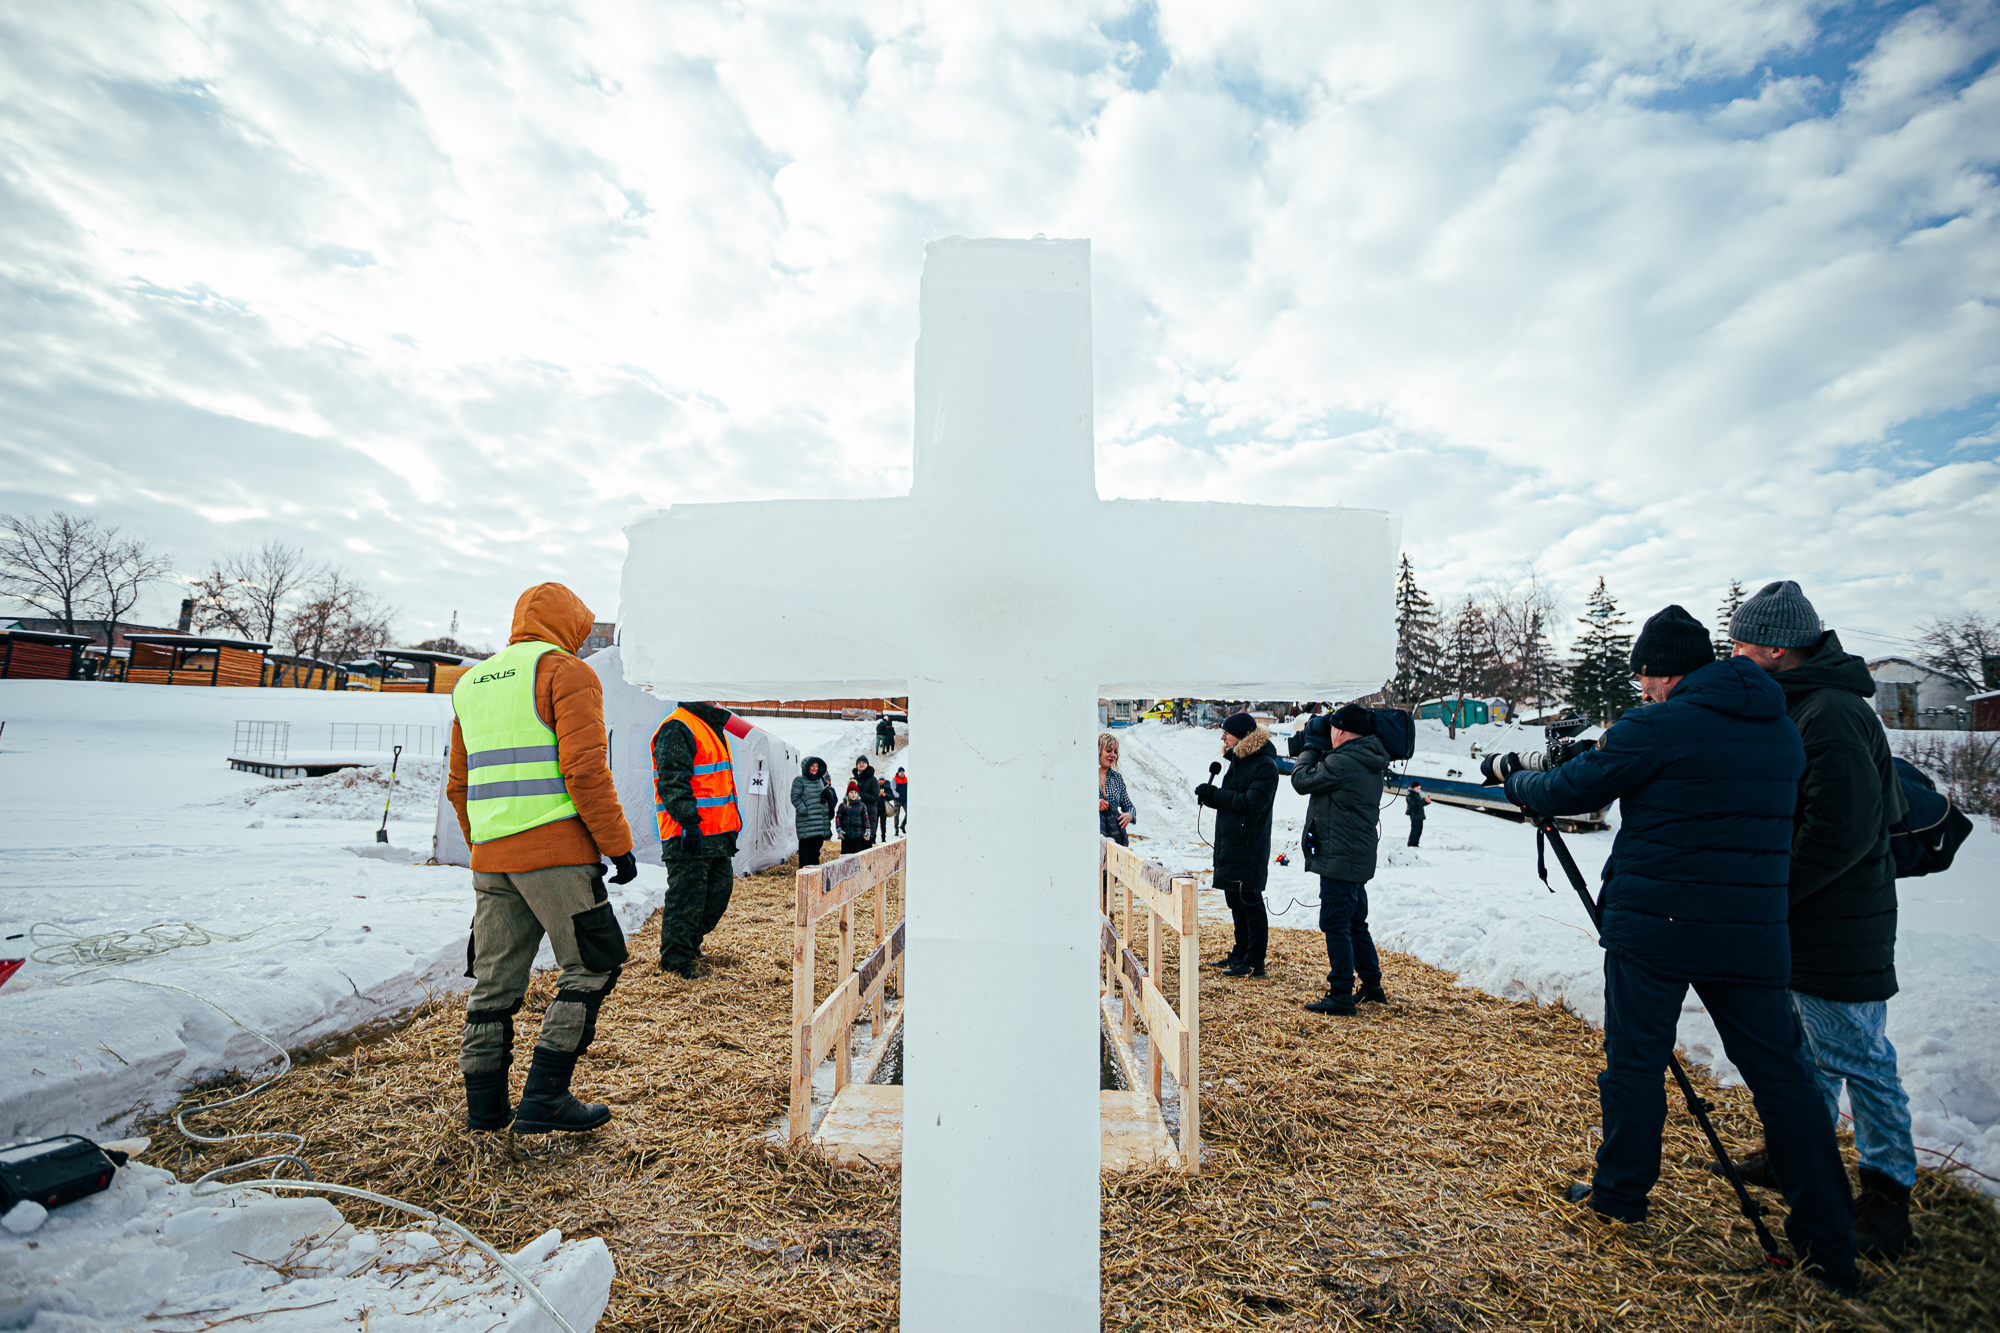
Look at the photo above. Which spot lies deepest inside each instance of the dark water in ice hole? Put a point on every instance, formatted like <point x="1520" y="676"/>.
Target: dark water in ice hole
<point x="890" y="1070"/>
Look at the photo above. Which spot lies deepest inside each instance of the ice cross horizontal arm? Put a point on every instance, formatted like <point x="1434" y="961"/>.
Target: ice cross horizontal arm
<point x="1020" y="599"/>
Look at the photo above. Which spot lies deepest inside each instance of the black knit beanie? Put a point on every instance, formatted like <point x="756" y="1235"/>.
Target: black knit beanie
<point x="1672" y="643"/>
<point x="1354" y="718"/>
<point x="1238" y="725"/>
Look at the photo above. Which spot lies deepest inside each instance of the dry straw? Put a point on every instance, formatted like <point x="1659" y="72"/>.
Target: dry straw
<point x="1402" y="1169"/>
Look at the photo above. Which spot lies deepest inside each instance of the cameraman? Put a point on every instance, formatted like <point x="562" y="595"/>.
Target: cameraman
<point x="1342" y="772"/>
<point x="1694" y="894"/>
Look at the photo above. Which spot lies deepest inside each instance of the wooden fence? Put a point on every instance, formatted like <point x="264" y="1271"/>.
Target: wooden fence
<point x="818" y="1029"/>
<point x="1173" y="1039"/>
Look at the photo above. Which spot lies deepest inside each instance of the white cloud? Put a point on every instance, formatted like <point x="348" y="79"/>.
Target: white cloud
<point x="1664" y="292"/>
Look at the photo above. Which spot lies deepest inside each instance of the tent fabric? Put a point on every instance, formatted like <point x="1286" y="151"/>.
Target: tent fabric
<point x="765" y="766"/>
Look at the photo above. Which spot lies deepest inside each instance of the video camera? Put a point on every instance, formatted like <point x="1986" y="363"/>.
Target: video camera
<point x="1561" y="744"/>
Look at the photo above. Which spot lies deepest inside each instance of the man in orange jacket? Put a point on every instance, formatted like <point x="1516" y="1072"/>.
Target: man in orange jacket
<point x="534" y="796"/>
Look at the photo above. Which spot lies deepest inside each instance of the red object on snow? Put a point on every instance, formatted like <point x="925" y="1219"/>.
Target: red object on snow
<point x="8" y="967"/>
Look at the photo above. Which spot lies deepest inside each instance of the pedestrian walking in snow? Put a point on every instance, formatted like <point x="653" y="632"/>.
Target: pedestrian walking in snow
<point x="539" y="816"/>
<point x="885" y="737"/>
<point x="1115" y="811"/>
<point x="812" y="804"/>
<point x="1414" y="803"/>
<point x="902" y="788"/>
<point x="1842" y="920"/>
<point x="1242" y="805"/>
<point x="694" y="785"/>
<point x="1706" y="777"/>
<point x="853" y="822"/>
<point x="1341" y="771"/>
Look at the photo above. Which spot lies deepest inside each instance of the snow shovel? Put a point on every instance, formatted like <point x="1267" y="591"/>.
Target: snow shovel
<point x="382" y="834"/>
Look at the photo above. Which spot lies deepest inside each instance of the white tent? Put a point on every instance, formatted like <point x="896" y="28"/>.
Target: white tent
<point x="765" y="767"/>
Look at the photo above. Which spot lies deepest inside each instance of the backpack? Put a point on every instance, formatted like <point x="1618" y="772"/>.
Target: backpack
<point x="1927" y="838"/>
<point x="1397" y="732"/>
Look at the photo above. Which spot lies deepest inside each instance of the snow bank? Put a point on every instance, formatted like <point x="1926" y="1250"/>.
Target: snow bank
<point x="123" y="813"/>
<point x="1468" y="901"/>
<point x="147" y="1249"/>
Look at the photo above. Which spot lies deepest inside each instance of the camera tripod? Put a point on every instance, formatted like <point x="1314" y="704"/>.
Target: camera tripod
<point x="1546" y="834"/>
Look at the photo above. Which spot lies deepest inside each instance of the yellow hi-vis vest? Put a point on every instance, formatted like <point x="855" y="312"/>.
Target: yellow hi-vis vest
<point x="714" y="781"/>
<point x="512" y="781"/>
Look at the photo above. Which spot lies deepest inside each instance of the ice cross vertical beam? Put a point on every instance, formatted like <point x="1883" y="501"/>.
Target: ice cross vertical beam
<point x="1024" y="598"/>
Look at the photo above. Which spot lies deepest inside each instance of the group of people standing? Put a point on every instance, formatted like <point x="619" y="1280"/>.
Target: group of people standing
<point x="873" y="810"/>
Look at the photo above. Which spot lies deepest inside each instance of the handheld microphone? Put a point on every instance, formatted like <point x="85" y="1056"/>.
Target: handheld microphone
<point x="1215" y="768"/>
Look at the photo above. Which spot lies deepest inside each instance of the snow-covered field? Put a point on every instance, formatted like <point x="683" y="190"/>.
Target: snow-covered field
<point x="1468" y="901"/>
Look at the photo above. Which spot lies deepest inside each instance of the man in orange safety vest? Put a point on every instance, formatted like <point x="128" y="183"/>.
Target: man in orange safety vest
<point x="695" y="798"/>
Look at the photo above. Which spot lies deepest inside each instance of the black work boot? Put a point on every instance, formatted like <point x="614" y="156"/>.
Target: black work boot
<point x="486" y="1107"/>
<point x="1755" y="1170"/>
<point x="545" y="1101"/>
<point x="1227" y="961"/>
<point x="1371" y="992"/>
<point x="1243" y="970"/>
<point x="1881" y="1216"/>
<point x="1333" y="1003"/>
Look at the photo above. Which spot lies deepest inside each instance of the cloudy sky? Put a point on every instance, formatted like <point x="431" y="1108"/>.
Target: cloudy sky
<point x="448" y="292"/>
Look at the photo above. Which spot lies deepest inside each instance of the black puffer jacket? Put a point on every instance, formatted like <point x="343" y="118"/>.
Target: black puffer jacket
<point x="871" y="786"/>
<point x="1345" y="812"/>
<point x="1843" y="886"/>
<point x="1705" y="784"/>
<point x="1243" y="813"/>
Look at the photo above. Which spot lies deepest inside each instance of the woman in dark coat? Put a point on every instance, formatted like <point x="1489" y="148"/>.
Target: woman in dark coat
<point x="1242" y="806"/>
<point x="812" y="802"/>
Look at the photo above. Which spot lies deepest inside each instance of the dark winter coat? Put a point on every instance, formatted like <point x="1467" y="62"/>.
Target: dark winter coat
<point x="1243" y="813"/>
<point x="871" y="786"/>
<point x="1843" y="887"/>
<point x="1705" y="785"/>
<point x="1414" y="804"/>
<point x="1345" y="812"/>
<point x="854" y="819"/>
<point x="813" y="799"/>
<point x="673" y="783"/>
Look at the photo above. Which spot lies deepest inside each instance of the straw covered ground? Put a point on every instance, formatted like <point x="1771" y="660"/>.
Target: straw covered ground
<point x="1401" y="1169"/>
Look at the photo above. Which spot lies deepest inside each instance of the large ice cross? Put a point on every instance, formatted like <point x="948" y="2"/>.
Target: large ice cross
<point x="1019" y="599"/>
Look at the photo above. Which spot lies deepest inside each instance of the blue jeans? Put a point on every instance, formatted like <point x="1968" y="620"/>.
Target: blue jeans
<point x="1642" y="1012"/>
<point x="1849" y="1042"/>
<point x="1350" y="949"/>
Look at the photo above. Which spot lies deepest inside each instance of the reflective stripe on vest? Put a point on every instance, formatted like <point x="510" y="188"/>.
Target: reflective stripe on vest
<point x="713" y="781"/>
<point x="513" y="783"/>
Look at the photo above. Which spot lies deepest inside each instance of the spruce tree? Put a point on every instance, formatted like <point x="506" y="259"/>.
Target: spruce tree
<point x="1730" y="601"/>
<point x="1417" y="648"/>
<point x="1600" y="684"/>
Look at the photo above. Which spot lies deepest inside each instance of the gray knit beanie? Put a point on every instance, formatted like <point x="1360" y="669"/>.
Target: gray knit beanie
<point x="1779" y="616"/>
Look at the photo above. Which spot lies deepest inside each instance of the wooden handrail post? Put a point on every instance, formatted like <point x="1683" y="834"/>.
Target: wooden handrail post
<point x="1153" y="952"/>
<point x="843" y="1054"/>
<point x="1190" y="936"/>
<point x="800" y="1124"/>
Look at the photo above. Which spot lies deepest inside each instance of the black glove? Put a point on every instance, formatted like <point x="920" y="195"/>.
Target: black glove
<point x="625" y="868"/>
<point x="1205" y="794"/>
<point x="691" y="842"/>
<point x="1494" y="768"/>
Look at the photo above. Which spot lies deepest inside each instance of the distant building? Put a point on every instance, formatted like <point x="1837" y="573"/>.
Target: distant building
<point x="603" y="634"/>
<point x="1910" y="696"/>
<point x="1985" y="710"/>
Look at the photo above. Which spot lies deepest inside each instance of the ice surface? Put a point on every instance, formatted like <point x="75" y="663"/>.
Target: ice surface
<point x="122" y="813"/>
<point x="1009" y="625"/>
<point x="1468" y="901"/>
<point x="148" y="1252"/>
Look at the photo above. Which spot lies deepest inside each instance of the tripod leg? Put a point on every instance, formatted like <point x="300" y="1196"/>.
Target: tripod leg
<point x="1699" y="1107"/>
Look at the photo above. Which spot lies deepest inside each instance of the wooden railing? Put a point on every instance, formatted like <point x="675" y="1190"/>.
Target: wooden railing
<point x="1173" y="1039"/>
<point x="824" y="1027"/>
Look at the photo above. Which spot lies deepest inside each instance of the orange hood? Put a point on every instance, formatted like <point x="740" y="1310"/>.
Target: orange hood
<point x="551" y="613"/>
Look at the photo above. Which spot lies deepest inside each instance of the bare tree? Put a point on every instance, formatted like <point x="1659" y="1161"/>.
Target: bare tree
<point x="1966" y="648"/>
<point x="1518" y="616"/>
<point x="249" y="591"/>
<point x="53" y="563"/>
<point x="337" y="619"/>
<point x="126" y="567"/>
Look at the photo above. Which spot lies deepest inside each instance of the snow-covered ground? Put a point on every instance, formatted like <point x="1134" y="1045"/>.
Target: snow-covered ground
<point x="1468" y="900"/>
<point x="148" y="1252"/>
